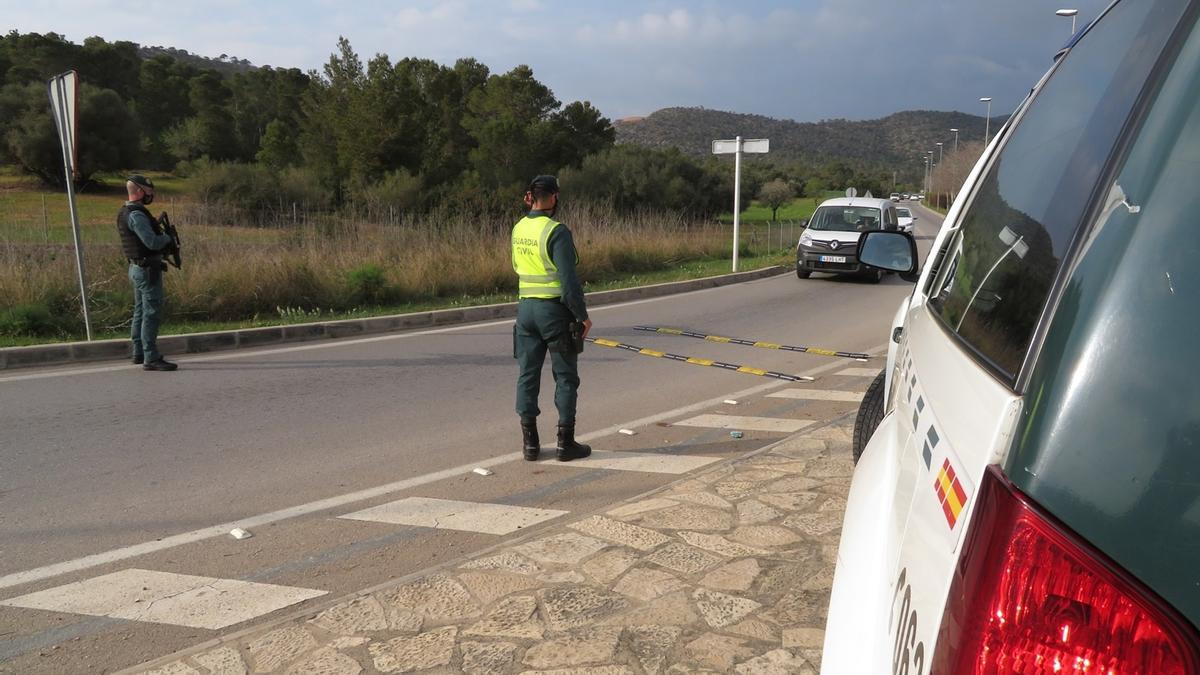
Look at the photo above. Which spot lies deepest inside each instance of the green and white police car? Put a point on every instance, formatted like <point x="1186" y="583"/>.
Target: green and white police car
<point x="1028" y="500"/>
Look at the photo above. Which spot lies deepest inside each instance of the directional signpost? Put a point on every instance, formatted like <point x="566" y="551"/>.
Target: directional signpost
<point x="64" y="100"/>
<point x="736" y="147"/>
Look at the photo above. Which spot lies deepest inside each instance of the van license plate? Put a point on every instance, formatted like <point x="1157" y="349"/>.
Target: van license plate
<point x="833" y="258"/>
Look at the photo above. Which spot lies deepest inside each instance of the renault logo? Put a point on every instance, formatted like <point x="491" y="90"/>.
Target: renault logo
<point x="833" y="245"/>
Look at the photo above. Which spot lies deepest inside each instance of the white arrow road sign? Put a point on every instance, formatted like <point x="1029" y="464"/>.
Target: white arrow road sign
<point x="751" y="145"/>
<point x="64" y="99"/>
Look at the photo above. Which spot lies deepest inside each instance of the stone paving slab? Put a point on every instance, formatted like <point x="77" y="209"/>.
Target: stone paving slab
<point x="168" y="598"/>
<point x="725" y="571"/>
<point x="449" y="514"/>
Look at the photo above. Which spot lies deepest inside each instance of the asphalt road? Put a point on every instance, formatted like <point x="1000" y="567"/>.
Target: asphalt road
<point x="101" y="467"/>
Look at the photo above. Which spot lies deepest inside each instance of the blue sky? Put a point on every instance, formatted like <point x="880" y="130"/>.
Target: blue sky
<point x="804" y="60"/>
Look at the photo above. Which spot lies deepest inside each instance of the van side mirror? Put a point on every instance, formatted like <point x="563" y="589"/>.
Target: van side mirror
<point x="890" y="251"/>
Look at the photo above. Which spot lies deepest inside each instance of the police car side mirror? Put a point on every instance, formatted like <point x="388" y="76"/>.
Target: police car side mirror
<point x="890" y="251"/>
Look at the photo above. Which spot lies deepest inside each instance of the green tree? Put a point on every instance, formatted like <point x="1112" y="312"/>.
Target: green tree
<point x="162" y="103"/>
<point x="110" y="65"/>
<point x="775" y="194"/>
<point x="107" y="140"/>
<point x="580" y="130"/>
<point x="633" y="177"/>
<point x="279" y="148"/>
<point x="209" y="98"/>
<point x="508" y="118"/>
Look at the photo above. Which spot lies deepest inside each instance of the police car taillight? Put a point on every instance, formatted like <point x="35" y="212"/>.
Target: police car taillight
<point x="1029" y="596"/>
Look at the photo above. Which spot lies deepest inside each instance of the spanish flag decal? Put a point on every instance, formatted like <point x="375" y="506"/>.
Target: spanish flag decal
<point x="950" y="493"/>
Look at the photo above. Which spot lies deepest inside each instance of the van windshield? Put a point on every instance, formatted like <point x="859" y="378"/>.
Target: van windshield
<point x="845" y="219"/>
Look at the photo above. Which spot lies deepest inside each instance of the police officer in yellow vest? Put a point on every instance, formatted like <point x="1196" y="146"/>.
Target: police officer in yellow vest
<point x="551" y="307"/>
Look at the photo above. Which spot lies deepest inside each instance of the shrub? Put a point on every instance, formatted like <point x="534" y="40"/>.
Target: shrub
<point x="28" y="321"/>
<point x="367" y="284"/>
<point x="396" y="193"/>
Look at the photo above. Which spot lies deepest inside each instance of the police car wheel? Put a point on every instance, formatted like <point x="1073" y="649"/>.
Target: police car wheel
<point x="802" y="274"/>
<point x="870" y="414"/>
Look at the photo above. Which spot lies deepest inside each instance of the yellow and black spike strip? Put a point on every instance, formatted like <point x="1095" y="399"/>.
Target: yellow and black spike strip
<point x="753" y="343"/>
<point x="698" y="361"/>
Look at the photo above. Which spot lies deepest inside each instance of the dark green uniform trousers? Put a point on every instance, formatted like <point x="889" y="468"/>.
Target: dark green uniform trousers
<point x="545" y="325"/>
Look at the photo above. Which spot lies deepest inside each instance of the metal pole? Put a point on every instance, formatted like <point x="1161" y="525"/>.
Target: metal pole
<point x="982" y="283"/>
<point x="987" y="125"/>
<point x="737" y="199"/>
<point x="69" y="171"/>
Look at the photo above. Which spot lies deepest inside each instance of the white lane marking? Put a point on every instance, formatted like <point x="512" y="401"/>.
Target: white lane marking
<point x="448" y="514"/>
<point x="818" y="395"/>
<point x="164" y="597"/>
<point x="144" y="548"/>
<point x="327" y="343"/>
<point x="859" y="372"/>
<point x="646" y="462"/>
<point x="744" y="423"/>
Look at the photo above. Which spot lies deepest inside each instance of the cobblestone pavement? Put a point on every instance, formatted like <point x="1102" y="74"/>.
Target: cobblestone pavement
<point x="728" y="570"/>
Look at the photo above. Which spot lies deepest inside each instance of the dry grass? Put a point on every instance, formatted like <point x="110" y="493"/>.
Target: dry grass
<point x="320" y="263"/>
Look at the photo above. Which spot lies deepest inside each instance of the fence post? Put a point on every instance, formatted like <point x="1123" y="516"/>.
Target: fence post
<point x="45" y="222"/>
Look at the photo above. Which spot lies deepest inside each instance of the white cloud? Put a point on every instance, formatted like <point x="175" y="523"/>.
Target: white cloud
<point x="525" y="5"/>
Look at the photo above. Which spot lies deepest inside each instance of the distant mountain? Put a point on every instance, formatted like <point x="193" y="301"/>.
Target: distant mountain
<point x="895" y="140"/>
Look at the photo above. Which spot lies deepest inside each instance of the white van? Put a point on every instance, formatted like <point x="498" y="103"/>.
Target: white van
<point x="1027" y="492"/>
<point x="830" y="239"/>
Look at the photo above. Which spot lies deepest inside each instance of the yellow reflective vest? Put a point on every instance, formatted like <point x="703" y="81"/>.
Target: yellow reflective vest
<point x="531" y="258"/>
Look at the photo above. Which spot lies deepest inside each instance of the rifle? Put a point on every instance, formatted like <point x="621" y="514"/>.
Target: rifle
<point x="172" y="252"/>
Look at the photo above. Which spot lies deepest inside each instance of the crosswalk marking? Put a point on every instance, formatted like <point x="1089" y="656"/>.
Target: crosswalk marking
<point x="642" y="461"/>
<point x="859" y="372"/>
<point x="448" y="514"/>
<point x="165" y="597"/>
<point x="817" y="395"/>
<point x="744" y="423"/>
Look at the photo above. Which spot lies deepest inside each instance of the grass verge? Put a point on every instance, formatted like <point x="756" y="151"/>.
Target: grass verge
<point x="691" y="270"/>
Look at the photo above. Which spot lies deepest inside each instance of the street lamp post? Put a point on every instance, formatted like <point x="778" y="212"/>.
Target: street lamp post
<point x="1071" y="13"/>
<point x="939" y="162"/>
<point x="987" y="124"/>
<point x="929" y="181"/>
<point x="955" y="139"/>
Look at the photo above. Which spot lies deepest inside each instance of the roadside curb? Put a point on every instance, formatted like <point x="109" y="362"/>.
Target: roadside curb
<point x="192" y="343"/>
<point x="312" y="611"/>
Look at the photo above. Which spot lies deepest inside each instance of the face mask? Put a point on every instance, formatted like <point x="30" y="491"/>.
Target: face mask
<point x="554" y="209"/>
<point x="147" y="198"/>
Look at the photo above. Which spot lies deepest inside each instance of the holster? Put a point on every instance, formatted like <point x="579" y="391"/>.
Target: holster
<point x="577" y="336"/>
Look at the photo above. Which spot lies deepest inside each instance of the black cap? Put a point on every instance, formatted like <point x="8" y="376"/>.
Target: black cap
<point x="548" y="184"/>
<point x="141" y="181"/>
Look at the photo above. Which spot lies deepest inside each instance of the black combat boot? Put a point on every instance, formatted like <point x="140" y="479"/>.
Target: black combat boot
<point x="568" y="449"/>
<point x="530" y="435"/>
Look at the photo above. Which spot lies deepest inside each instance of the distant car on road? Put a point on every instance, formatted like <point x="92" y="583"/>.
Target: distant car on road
<point x="830" y="241"/>
<point x="905" y="218"/>
<point x="905" y="196"/>
<point x="895" y="196"/>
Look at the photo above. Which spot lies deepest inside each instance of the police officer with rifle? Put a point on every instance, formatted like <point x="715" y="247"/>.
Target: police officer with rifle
<point x="146" y="241"/>
<point x="551" y="317"/>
